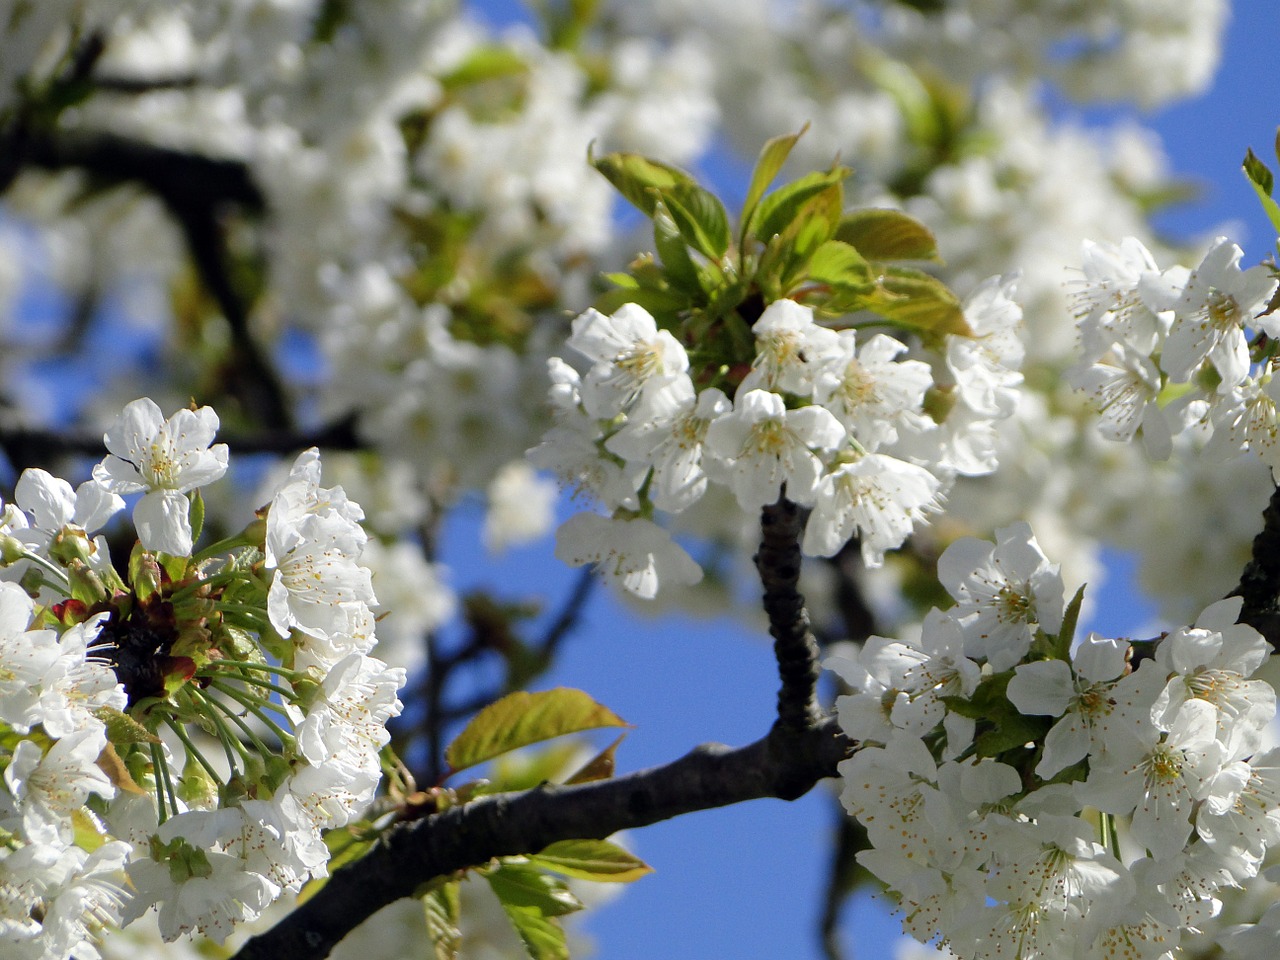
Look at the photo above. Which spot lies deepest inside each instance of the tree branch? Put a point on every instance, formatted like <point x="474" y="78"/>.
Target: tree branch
<point x="795" y="648"/>
<point x="786" y="764"/>
<point x="1260" y="581"/>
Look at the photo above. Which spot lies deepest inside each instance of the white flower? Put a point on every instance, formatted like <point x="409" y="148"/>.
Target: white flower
<point x="1219" y="301"/>
<point x="1245" y="417"/>
<point x="763" y="446"/>
<point x="197" y="885"/>
<point x="164" y="460"/>
<point x="1124" y="389"/>
<point x="637" y="553"/>
<point x="869" y="391"/>
<point x="628" y="352"/>
<point x="1210" y="662"/>
<point x="1100" y="710"/>
<point x="790" y="349"/>
<point x="667" y="431"/>
<point x="1159" y="789"/>
<point x="50" y="787"/>
<point x="1001" y="590"/>
<point x="1113" y="302"/>
<point x="521" y="507"/>
<point x="876" y="497"/>
<point x="346" y="723"/>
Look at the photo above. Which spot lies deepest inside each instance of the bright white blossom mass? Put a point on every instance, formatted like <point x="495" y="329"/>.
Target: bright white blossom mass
<point x="389" y="229"/>
<point x="150" y="718"/>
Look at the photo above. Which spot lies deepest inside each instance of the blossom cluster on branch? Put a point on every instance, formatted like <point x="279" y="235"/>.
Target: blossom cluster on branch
<point x="178" y="738"/>
<point x="1026" y="796"/>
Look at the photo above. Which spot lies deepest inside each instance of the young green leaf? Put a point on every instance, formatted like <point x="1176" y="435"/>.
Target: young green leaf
<point x="887" y="235"/>
<point x="639" y="179"/>
<point x="780" y="209"/>
<point x="597" y="860"/>
<point x="919" y="302"/>
<point x="522" y="718"/>
<point x="518" y="883"/>
<point x="672" y="247"/>
<point x="1260" y="178"/>
<point x="442" y="908"/>
<point x="770" y="161"/>
<point x="543" y="937"/>
<point x="840" y="265"/>
<point x="701" y="219"/>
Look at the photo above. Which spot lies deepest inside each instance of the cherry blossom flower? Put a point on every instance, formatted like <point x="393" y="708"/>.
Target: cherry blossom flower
<point x="1001" y="591"/>
<point x="765" y="446"/>
<point x="636" y="553"/>
<point x="628" y="352"/>
<point x="163" y="460"/>
<point x="1219" y="301"/>
<point x="790" y="349"/>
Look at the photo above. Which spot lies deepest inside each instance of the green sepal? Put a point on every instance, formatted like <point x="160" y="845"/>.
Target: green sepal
<point x="522" y="718"/>
<point x="598" y="860"/>
<point x="195" y="514"/>
<point x="1067" y="632"/>
<point x="122" y="729"/>
<point x="883" y="234"/>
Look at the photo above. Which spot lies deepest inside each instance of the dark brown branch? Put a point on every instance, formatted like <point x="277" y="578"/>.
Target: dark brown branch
<point x="785" y="765"/>
<point x="37" y="447"/>
<point x="198" y="191"/>
<point x="794" y="647"/>
<point x="1260" y="581"/>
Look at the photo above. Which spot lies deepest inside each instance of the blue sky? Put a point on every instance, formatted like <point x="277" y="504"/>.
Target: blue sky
<point x="746" y="882"/>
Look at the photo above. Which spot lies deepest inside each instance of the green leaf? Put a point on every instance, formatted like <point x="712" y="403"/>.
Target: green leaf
<point x="639" y="179"/>
<point x="770" y="161"/>
<point x="672" y="249"/>
<point x="887" y="235"/>
<point x="518" y="883"/>
<point x="597" y="860"/>
<point x="701" y="219"/>
<point x="442" y="909"/>
<point x="919" y="302"/>
<point x="1262" y="182"/>
<point x="1011" y="731"/>
<point x="543" y="937"/>
<point x="1258" y="172"/>
<point x="780" y="209"/>
<point x="484" y="63"/>
<point x="839" y="264"/>
<point x="522" y="718"/>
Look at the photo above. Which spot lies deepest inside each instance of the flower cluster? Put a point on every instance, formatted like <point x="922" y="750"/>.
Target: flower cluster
<point x="1167" y="350"/>
<point x="177" y="737"/>
<point x="846" y="423"/>
<point x="1026" y="799"/>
